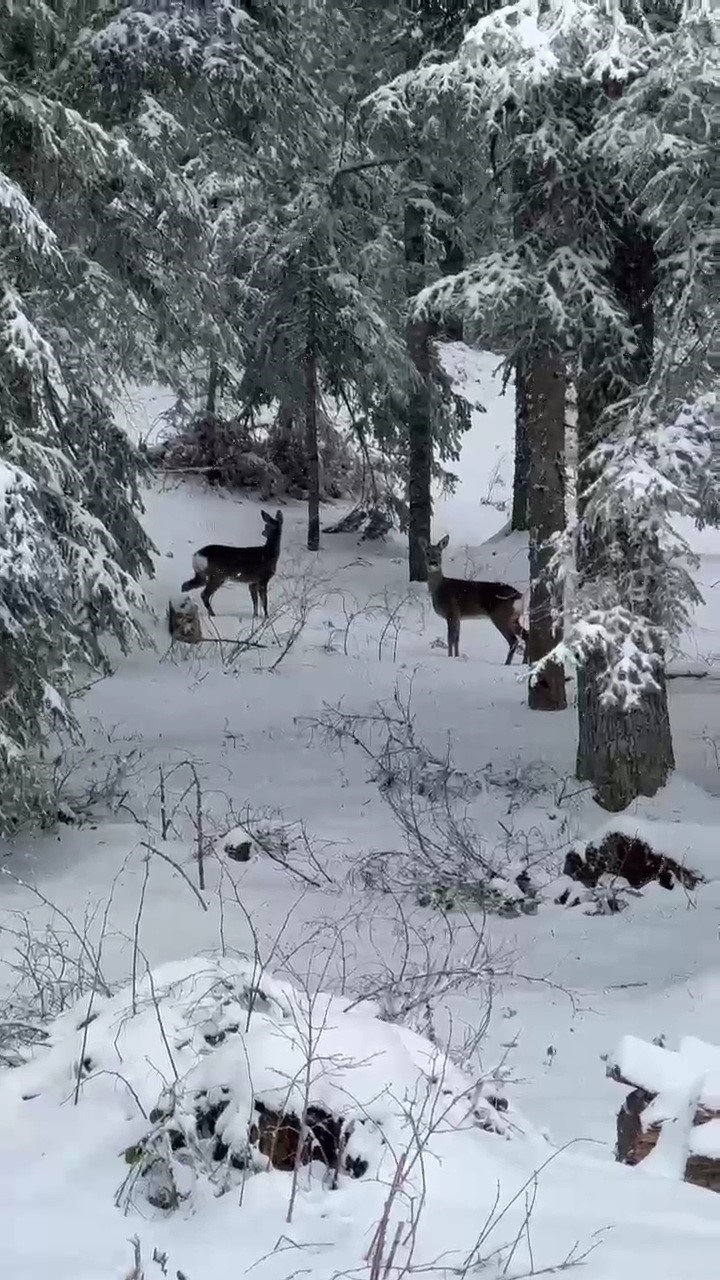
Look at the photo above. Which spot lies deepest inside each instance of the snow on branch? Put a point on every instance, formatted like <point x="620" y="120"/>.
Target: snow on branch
<point x="654" y="469"/>
<point x="563" y="296"/>
<point x="216" y="40"/>
<point x="636" y="589"/>
<point x="23" y="345"/>
<point x="25" y="222"/>
<point x="530" y="41"/>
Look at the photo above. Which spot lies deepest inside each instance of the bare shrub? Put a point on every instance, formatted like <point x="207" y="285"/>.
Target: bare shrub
<point x="264" y="833"/>
<point x="47" y="969"/>
<point x="446" y="862"/>
<point x="270" y="457"/>
<point x="92" y="780"/>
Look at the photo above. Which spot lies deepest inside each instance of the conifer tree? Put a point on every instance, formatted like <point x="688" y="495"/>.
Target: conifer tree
<point x="568" y="98"/>
<point x="71" y="547"/>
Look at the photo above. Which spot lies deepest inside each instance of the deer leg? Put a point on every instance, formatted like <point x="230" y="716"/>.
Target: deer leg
<point x="263" y="597"/>
<point x="212" y="583"/>
<point x="513" y="642"/>
<point x="454" y="637"/>
<point x="508" y="632"/>
<point x="524" y="637"/>
<point x="254" y="596"/>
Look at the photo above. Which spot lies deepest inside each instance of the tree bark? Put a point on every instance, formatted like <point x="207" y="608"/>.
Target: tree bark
<point x="311" y="447"/>
<point x="518" y="520"/>
<point x="452" y="262"/>
<point x="543" y="392"/>
<point x="420" y="441"/>
<point x="622" y="753"/>
<point x="212" y="388"/>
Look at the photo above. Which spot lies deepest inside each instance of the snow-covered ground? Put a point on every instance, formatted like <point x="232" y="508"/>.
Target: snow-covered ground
<point x="184" y="747"/>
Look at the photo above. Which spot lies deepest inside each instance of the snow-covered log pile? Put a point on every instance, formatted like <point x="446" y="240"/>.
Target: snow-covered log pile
<point x="671" y="1120"/>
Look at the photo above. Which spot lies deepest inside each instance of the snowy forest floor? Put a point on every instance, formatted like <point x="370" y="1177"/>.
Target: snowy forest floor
<point x="235" y="728"/>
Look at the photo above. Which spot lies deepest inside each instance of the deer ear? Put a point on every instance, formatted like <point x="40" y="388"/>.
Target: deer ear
<point x="278" y="517"/>
<point x="443" y="542"/>
<point x="423" y="543"/>
<point x="265" y="516"/>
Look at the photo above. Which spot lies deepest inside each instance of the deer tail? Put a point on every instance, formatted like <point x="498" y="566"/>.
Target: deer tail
<point x="200" y="565"/>
<point x="522" y="604"/>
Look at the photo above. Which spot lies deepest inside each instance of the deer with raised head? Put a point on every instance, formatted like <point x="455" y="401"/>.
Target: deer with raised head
<point x="216" y="565"/>
<point x="457" y="598"/>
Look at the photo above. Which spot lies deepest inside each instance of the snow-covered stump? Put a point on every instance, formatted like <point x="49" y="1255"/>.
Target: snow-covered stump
<point x="183" y="619"/>
<point x="670" y="1121"/>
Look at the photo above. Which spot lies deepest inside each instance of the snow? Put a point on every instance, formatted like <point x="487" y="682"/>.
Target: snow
<point x="683" y="1081"/>
<point x="543" y="998"/>
<point x="705" y="1140"/>
<point x="663" y="1071"/>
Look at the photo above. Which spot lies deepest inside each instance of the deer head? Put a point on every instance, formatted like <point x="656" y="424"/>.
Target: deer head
<point x="272" y="524"/>
<point x="433" y="556"/>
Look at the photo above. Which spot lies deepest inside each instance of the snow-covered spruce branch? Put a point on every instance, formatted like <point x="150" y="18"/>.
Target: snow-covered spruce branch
<point x="634" y="590"/>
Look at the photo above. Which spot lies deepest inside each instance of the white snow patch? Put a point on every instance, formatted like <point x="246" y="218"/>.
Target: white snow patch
<point x="561" y="986"/>
<point x="671" y="1072"/>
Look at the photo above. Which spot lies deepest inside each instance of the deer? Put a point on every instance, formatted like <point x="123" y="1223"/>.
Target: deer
<point x="458" y="598"/>
<point x="215" y="565"/>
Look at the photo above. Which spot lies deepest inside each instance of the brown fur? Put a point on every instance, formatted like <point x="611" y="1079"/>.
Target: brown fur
<point x="456" y="598"/>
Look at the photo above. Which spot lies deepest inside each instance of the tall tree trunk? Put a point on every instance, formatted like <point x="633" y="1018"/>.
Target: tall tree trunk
<point x="311" y="446"/>
<point x="449" y="198"/>
<point x="540" y="444"/>
<point x="420" y="441"/>
<point x="543" y="392"/>
<point x="212" y="388"/>
<point x="623" y="753"/>
<point x="518" y="520"/>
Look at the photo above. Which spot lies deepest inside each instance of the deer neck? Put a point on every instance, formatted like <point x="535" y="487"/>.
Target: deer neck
<point x="272" y="545"/>
<point x="435" y="577"/>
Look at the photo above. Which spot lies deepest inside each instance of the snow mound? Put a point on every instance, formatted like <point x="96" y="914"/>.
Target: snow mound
<point x="199" y="1054"/>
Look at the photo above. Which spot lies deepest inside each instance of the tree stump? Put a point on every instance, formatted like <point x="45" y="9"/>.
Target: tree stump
<point x="184" y="622"/>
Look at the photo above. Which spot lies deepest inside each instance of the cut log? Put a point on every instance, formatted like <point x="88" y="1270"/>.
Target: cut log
<point x="280" y="1138"/>
<point x="641" y="1118"/>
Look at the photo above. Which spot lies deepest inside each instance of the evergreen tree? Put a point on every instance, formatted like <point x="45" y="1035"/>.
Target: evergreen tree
<point x="71" y="547"/>
<point x="655" y="457"/>
<point x="438" y="224"/>
<point x="565" y="96"/>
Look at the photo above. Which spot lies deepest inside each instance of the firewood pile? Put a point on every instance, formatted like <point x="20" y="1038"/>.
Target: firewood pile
<point x="670" y="1121"/>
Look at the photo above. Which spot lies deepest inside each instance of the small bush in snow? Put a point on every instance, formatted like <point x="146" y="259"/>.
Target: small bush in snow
<point x="271" y="459"/>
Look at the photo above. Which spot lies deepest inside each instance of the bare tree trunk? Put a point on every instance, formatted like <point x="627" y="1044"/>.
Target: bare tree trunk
<point x="543" y="393"/>
<point x="420" y="441"/>
<point x="213" y="379"/>
<point x="518" y="520"/>
<point x="623" y="753"/>
<point x="311" y="447"/>
<point x="449" y="197"/>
